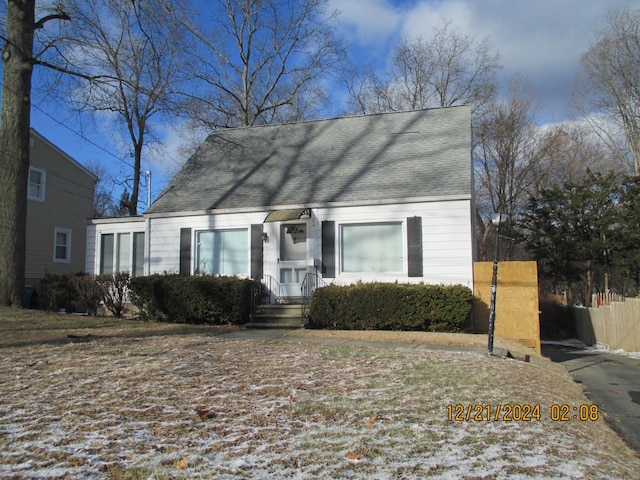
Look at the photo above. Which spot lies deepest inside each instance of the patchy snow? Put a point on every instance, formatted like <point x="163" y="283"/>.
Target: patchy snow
<point x="189" y="406"/>
<point x="600" y="347"/>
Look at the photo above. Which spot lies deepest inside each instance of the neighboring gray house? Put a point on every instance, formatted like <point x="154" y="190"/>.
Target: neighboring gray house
<point x="59" y="203"/>
<point x="386" y="197"/>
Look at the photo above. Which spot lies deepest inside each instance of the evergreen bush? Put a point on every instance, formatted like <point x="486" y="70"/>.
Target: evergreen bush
<point x="387" y="306"/>
<point x="201" y="299"/>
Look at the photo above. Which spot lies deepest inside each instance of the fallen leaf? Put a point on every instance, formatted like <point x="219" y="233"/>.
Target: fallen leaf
<point x="182" y="464"/>
<point x="355" y="457"/>
<point x="371" y="421"/>
<point x="205" y="413"/>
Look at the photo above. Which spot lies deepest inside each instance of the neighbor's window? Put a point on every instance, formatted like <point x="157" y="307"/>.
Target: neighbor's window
<point x="62" y="245"/>
<point x="371" y="247"/>
<point x="223" y="252"/>
<point x="37" y="180"/>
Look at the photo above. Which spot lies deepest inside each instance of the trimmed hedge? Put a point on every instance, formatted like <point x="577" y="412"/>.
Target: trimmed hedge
<point x="391" y="306"/>
<point x="192" y="299"/>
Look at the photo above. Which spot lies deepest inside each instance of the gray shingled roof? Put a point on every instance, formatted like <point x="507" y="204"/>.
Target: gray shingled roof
<point x="371" y="158"/>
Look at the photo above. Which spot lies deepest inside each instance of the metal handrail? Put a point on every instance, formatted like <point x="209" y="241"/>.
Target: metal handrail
<point x="266" y="291"/>
<point x="310" y="282"/>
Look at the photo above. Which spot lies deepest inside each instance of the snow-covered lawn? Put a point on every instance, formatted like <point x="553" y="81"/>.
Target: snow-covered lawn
<point x="175" y="406"/>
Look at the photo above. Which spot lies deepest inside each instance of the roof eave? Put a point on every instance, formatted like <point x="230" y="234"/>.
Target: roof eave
<point x="354" y="203"/>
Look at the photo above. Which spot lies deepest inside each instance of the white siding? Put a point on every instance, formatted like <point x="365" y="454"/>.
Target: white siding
<point x="165" y="235"/>
<point x="446" y="234"/>
<point x="447" y="239"/>
<point x="100" y="227"/>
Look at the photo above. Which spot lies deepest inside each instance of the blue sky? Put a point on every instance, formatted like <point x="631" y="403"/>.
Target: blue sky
<point x="541" y="39"/>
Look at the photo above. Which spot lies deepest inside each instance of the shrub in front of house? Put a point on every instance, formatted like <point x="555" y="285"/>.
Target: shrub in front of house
<point x="84" y="293"/>
<point x="146" y="293"/>
<point x="115" y="288"/>
<point x="391" y="306"/>
<point x="89" y="292"/>
<point x="57" y="293"/>
<point x="214" y="300"/>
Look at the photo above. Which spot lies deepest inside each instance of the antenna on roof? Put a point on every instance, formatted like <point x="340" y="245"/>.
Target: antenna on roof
<point x="148" y="175"/>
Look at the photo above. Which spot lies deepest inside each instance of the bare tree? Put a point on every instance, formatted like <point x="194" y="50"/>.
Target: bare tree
<point x="133" y="53"/>
<point x="103" y="203"/>
<point x="448" y="69"/>
<point x="509" y="157"/>
<point x="19" y="58"/>
<point x="263" y="61"/>
<point x="608" y="90"/>
<point x="572" y="150"/>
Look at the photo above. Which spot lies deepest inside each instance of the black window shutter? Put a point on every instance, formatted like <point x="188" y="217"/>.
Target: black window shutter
<point x="185" y="251"/>
<point x="256" y="251"/>
<point x="328" y="249"/>
<point x="414" y="246"/>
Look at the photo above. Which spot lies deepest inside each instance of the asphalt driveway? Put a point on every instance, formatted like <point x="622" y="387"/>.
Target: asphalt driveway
<point x="610" y="381"/>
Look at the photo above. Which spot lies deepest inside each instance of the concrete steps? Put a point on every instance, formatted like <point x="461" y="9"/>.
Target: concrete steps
<point x="277" y="316"/>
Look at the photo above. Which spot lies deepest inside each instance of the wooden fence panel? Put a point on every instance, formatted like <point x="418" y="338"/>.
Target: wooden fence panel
<point x="616" y="325"/>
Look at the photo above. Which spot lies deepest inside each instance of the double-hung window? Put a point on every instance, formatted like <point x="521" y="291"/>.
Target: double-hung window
<point x="62" y="245"/>
<point x="371" y="248"/>
<point x="223" y="252"/>
<point x="37" y="182"/>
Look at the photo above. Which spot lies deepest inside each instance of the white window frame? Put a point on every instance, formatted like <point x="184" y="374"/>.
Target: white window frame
<point x="41" y="186"/>
<point x="67" y="245"/>
<point x="202" y="267"/>
<point x="119" y="264"/>
<point x="403" y="259"/>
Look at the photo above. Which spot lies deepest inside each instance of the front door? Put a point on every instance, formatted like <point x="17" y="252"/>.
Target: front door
<point x="293" y="258"/>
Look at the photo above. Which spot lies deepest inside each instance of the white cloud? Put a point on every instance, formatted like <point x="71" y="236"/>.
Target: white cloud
<point x="367" y="21"/>
<point x="542" y="40"/>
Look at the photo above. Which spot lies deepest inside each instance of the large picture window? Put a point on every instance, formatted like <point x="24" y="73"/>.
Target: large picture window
<point x="223" y="252"/>
<point x="371" y="247"/>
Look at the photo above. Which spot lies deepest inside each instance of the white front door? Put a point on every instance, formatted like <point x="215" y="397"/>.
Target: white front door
<point x="293" y="258"/>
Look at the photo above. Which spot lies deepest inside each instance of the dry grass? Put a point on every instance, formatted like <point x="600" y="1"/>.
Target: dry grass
<point x="128" y="400"/>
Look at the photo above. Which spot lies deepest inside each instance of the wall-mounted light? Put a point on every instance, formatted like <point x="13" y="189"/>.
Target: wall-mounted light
<point x="265" y="237"/>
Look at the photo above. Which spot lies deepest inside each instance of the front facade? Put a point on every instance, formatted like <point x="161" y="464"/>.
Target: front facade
<point x="374" y="198"/>
<point x="59" y="202"/>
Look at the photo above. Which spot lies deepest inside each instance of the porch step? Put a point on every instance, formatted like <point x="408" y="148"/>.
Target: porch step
<point x="277" y="316"/>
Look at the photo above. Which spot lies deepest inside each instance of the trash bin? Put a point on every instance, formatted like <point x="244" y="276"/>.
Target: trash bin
<point x="28" y="296"/>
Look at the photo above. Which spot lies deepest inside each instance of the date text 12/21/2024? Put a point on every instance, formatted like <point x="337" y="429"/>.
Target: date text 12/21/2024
<point x="521" y="413"/>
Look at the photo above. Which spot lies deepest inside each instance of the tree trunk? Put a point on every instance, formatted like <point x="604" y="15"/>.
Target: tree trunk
<point x="14" y="148"/>
<point x="588" y="284"/>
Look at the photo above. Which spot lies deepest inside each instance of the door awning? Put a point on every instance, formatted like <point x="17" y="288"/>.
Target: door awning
<point x="285" y="215"/>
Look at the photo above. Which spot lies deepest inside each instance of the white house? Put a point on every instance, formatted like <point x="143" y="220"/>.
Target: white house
<point x="385" y="197"/>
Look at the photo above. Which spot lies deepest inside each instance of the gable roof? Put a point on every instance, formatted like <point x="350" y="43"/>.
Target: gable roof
<point x="34" y="133"/>
<point x="382" y="158"/>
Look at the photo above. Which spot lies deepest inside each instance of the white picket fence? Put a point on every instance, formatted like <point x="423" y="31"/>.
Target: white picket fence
<point x="613" y="323"/>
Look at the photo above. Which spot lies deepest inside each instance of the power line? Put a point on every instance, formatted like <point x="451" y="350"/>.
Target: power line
<point x="82" y="136"/>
